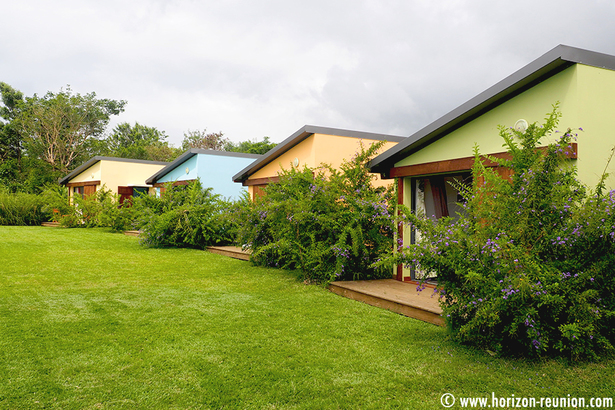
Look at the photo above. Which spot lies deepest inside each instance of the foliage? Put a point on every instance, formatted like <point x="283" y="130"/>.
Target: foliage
<point x="204" y="140"/>
<point x="102" y="209"/>
<point x="10" y="139"/>
<point x="183" y="216"/>
<point x="21" y="208"/>
<point x="216" y="141"/>
<point x="59" y="128"/>
<point x="527" y="269"/>
<point x="252" y="147"/>
<point x="331" y="224"/>
<point x="140" y="142"/>
<point x="27" y="174"/>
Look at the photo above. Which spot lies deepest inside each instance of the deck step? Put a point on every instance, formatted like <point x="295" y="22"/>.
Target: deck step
<point x="231" y="251"/>
<point x="132" y="233"/>
<point x="395" y="296"/>
<point x="51" y="224"/>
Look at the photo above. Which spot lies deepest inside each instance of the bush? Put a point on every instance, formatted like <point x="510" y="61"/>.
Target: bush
<point x="184" y="216"/>
<point x="527" y="269"/>
<point x="330" y="224"/>
<point x="21" y="208"/>
<point x="101" y="209"/>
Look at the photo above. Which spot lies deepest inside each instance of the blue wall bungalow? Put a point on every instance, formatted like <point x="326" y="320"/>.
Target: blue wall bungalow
<point x="215" y="169"/>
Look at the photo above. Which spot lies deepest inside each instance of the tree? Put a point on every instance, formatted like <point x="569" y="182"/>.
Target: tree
<point x="59" y="127"/>
<point x="216" y="141"/>
<point x="10" y="139"/>
<point x="252" y="147"/>
<point x="204" y="140"/>
<point x="140" y="142"/>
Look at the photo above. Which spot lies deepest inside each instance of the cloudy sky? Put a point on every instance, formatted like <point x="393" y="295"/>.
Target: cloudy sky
<point x="266" y="68"/>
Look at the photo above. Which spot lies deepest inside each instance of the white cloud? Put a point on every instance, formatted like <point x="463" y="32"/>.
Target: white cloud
<point x="252" y="69"/>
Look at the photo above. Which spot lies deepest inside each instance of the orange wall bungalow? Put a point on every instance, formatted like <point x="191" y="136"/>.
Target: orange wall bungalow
<point x="582" y="81"/>
<point x="119" y="175"/>
<point x="310" y="146"/>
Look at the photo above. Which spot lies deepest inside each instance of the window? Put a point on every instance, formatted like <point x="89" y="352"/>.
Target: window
<point x="78" y="191"/>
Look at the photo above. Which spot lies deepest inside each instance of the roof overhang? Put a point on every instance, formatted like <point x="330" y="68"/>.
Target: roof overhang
<point x="192" y="152"/>
<point x="94" y="160"/>
<point x="546" y="66"/>
<point x="299" y="136"/>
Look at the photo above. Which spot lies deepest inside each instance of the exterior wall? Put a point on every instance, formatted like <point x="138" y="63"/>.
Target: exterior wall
<point x="304" y="152"/>
<point x="215" y="171"/>
<point x="532" y="105"/>
<point x="179" y="172"/>
<point x="116" y="173"/>
<point x="586" y="97"/>
<point x="334" y="149"/>
<point x="315" y="150"/>
<point x="93" y="173"/>
<point x="595" y="107"/>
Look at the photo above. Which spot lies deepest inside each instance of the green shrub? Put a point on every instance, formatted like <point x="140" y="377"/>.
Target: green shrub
<point x="183" y="216"/>
<point x="331" y="224"/>
<point x="101" y="209"/>
<point x="528" y="268"/>
<point x="21" y="208"/>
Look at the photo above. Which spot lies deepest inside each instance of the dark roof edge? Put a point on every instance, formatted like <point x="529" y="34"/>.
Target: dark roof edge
<point x="97" y="158"/>
<point x="192" y="152"/>
<point x="301" y="135"/>
<point x="549" y="64"/>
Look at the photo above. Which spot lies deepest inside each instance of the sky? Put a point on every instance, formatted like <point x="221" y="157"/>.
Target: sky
<point x="252" y="69"/>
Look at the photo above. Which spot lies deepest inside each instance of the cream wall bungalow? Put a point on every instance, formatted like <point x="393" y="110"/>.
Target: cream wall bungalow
<point x="119" y="175"/>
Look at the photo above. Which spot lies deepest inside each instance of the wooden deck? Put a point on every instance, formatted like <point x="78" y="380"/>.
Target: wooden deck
<point x="231" y="251"/>
<point x="51" y="224"/>
<point x="396" y="296"/>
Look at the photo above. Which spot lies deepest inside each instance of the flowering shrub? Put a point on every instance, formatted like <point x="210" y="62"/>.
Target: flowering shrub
<point x="528" y="267"/>
<point x="331" y="224"/>
<point x="183" y="216"/>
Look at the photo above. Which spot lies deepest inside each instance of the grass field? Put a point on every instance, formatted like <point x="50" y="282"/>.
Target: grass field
<point x="91" y="320"/>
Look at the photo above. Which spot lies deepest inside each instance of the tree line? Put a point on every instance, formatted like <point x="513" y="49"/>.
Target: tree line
<point x="44" y="137"/>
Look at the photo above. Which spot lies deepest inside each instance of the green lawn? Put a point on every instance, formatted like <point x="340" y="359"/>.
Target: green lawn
<point x="90" y="320"/>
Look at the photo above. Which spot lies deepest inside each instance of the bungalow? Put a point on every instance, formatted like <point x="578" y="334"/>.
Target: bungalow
<point x="309" y="146"/>
<point x="122" y="176"/>
<point x="582" y="81"/>
<point x="215" y="169"/>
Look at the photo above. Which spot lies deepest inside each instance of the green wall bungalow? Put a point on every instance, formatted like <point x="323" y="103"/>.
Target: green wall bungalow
<point x="215" y="169"/>
<point x="582" y="81"/>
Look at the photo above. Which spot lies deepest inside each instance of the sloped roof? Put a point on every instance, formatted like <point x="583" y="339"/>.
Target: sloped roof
<point x="549" y="64"/>
<point x="303" y="133"/>
<point x="94" y="160"/>
<point x="192" y="152"/>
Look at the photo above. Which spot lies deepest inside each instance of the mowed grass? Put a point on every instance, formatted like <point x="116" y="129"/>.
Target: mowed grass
<point x="92" y="320"/>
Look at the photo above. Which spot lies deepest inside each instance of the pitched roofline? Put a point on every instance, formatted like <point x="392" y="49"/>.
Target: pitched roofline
<point x="93" y="160"/>
<point x="192" y="152"/>
<point x="300" y="135"/>
<point x="549" y="64"/>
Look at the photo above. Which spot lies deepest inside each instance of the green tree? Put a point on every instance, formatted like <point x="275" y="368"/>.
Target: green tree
<point x="10" y="139"/>
<point x="140" y="142"/>
<point x="252" y="147"/>
<point x="204" y="140"/>
<point x="60" y="128"/>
